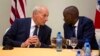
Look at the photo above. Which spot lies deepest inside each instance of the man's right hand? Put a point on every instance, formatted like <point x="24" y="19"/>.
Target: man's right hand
<point x="26" y="43"/>
<point x="32" y="40"/>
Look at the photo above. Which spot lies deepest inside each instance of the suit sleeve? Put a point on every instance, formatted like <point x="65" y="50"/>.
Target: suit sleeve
<point x="88" y="32"/>
<point x="10" y="35"/>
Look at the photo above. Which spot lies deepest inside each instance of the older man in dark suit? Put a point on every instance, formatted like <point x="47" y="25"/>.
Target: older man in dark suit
<point x="83" y="27"/>
<point x="23" y="32"/>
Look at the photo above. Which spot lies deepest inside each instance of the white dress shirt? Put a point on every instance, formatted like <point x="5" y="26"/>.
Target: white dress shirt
<point x="32" y="28"/>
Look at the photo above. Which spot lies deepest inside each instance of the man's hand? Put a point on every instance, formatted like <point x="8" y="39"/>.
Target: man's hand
<point x="26" y="44"/>
<point x="32" y="40"/>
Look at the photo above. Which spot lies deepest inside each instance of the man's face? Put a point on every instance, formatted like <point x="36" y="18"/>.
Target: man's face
<point x="71" y="15"/>
<point x="69" y="19"/>
<point x="41" y="17"/>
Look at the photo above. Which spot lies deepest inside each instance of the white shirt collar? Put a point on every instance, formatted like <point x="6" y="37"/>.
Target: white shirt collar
<point x="76" y="24"/>
<point x="32" y="23"/>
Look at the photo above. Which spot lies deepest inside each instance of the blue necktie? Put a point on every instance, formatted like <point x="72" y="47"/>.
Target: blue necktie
<point x="73" y="28"/>
<point x="35" y="31"/>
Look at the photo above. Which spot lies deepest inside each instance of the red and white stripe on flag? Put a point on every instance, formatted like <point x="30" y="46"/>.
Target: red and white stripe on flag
<point x="97" y="16"/>
<point x="18" y="10"/>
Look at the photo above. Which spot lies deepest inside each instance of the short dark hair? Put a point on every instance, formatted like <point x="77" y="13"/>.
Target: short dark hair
<point x="71" y="10"/>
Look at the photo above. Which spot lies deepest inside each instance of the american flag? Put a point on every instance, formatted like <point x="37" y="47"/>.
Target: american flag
<point x="18" y="10"/>
<point x="97" y="16"/>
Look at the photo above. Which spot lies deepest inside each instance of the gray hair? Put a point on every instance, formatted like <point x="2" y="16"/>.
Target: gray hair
<point x="38" y="8"/>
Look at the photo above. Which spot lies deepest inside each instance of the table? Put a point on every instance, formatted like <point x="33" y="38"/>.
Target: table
<point x="41" y="52"/>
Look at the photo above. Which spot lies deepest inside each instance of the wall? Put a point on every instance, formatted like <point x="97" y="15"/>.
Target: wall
<point x="4" y="16"/>
<point x="56" y="7"/>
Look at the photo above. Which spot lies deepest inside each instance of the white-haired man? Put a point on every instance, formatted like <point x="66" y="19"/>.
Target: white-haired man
<point x="21" y="33"/>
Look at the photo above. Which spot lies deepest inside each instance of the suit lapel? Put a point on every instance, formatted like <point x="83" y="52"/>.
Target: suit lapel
<point x="70" y="32"/>
<point x="41" y="32"/>
<point x="79" y="28"/>
<point x="28" y="25"/>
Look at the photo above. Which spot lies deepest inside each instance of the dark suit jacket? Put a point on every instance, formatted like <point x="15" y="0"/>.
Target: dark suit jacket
<point x="85" y="30"/>
<point x="20" y="30"/>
